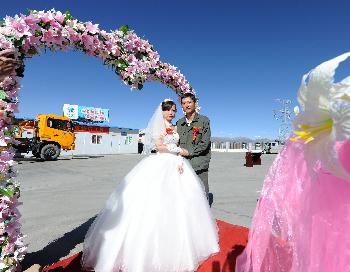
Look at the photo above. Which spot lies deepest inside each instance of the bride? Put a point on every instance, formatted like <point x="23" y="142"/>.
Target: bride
<point x="158" y="218"/>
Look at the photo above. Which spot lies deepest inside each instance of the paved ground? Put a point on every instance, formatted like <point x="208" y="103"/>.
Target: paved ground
<point x="61" y="198"/>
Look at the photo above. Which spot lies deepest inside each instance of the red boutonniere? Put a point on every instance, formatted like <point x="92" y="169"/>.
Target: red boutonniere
<point x="169" y="130"/>
<point x="195" y="132"/>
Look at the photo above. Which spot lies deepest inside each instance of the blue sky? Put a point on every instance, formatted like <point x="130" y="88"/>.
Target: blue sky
<point x="238" y="55"/>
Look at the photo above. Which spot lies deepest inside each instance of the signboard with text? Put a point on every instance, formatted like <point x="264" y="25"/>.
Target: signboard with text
<point x="86" y="114"/>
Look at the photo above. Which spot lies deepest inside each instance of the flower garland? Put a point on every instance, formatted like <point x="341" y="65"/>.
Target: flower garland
<point x="133" y="59"/>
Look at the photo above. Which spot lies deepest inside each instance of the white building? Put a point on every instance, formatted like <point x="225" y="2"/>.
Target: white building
<point x="103" y="140"/>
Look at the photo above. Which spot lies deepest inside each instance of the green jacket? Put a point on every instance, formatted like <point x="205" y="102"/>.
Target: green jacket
<point x="199" y="149"/>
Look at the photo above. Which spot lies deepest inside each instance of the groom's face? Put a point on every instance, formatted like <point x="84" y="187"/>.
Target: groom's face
<point x="188" y="105"/>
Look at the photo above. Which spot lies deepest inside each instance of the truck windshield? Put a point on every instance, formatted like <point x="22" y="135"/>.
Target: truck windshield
<point x="60" y="124"/>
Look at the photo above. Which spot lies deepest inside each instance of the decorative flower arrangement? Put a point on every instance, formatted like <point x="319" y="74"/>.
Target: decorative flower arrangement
<point x="169" y="130"/>
<point x="195" y="131"/>
<point x="324" y="118"/>
<point x="133" y="59"/>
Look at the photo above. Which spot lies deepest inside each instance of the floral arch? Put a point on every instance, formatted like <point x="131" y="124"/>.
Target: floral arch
<point x="133" y="59"/>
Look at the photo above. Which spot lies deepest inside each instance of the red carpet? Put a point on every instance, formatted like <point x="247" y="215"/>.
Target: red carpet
<point x="232" y="242"/>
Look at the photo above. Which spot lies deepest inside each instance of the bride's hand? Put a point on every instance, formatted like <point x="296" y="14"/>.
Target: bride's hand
<point x="184" y="152"/>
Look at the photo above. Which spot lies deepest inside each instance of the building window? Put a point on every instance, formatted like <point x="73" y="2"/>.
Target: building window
<point x="99" y="139"/>
<point x="96" y="139"/>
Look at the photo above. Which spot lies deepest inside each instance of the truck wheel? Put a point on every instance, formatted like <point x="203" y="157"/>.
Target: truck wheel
<point x="50" y="152"/>
<point x="36" y="154"/>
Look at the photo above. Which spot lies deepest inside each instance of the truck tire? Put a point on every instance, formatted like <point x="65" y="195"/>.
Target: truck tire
<point x="50" y="152"/>
<point x="36" y="154"/>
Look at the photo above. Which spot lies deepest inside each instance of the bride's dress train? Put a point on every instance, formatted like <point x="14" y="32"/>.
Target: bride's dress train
<point x="156" y="220"/>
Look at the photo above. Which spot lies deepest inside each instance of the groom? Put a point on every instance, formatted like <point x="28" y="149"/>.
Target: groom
<point x="194" y="131"/>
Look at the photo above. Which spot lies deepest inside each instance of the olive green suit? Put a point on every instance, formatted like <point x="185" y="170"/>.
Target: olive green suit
<point x="198" y="148"/>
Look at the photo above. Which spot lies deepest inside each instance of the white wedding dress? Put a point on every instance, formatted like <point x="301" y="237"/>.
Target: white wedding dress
<point x="157" y="220"/>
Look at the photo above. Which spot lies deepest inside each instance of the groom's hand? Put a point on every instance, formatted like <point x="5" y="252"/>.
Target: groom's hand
<point x="158" y="146"/>
<point x="184" y="152"/>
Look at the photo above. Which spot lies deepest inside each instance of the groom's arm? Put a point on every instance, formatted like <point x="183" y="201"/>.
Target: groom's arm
<point x="204" y="144"/>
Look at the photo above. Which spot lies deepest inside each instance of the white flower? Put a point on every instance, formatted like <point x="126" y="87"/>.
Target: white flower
<point x="296" y="110"/>
<point x="3" y="265"/>
<point x="325" y="116"/>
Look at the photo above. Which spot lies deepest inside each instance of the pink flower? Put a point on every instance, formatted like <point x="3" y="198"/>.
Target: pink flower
<point x="132" y="59"/>
<point x="104" y="34"/>
<point x="73" y="35"/>
<point x="48" y="36"/>
<point x="87" y="40"/>
<point x="9" y="248"/>
<point x="32" y="22"/>
<point x="2" y="123"/>
<point x="4" y="167"/>
<point x="3" y="104"/>
<point x="21" y="28"/>
<point x="47" y="17"/>
<point x="154" y="56"/>
<point x="12" y="107"/>
<point x="8" y="82"/>
<point x="51" y="37"/>
<point x="130" y="71"/>
<point x="31" y="41"/>
<point x="6" y="156"/>
<point x="55" y="24"/>
<point x="59" y="17"/>
<point x="96" y="42"/>
<point x="116" y="51"/>
<point x="93" y="29"/>
<point x="112" y="47"/>
<point x="5" y="44"/>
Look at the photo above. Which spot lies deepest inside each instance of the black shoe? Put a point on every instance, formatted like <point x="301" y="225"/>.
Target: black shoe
<point x="210" y="199"/>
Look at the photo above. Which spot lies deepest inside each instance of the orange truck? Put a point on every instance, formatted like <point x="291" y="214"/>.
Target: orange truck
<point x="46" y="136"/>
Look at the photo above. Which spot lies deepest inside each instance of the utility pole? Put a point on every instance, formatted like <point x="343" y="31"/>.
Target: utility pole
<point x="284" y="115"/>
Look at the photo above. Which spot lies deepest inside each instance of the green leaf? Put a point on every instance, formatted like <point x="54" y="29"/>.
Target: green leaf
<point x="10" y="132"/>
<point x="9" y="220"/>
<point x="3" y="94"/>
<point x="122" y="64"/>
<point x="10" y="192"/>
<point x="29" y="11"/>
<point x="124" y="28"/>
<point x="44" y="25"/>
<point x="2" y="23"/>
<point x="38" y="33"/>
<point x="67" y="16"/>
<point x="101" y="38"/>
<point x="32" y="51"/>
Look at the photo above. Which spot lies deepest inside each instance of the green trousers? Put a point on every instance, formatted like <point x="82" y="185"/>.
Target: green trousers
<point x="203" y="175"/>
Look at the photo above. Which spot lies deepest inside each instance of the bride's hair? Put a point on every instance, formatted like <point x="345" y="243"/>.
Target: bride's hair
<point x="167" y="105"/>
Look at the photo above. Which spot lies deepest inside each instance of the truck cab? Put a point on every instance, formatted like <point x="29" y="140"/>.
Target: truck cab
<point x="51" y="134"/>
